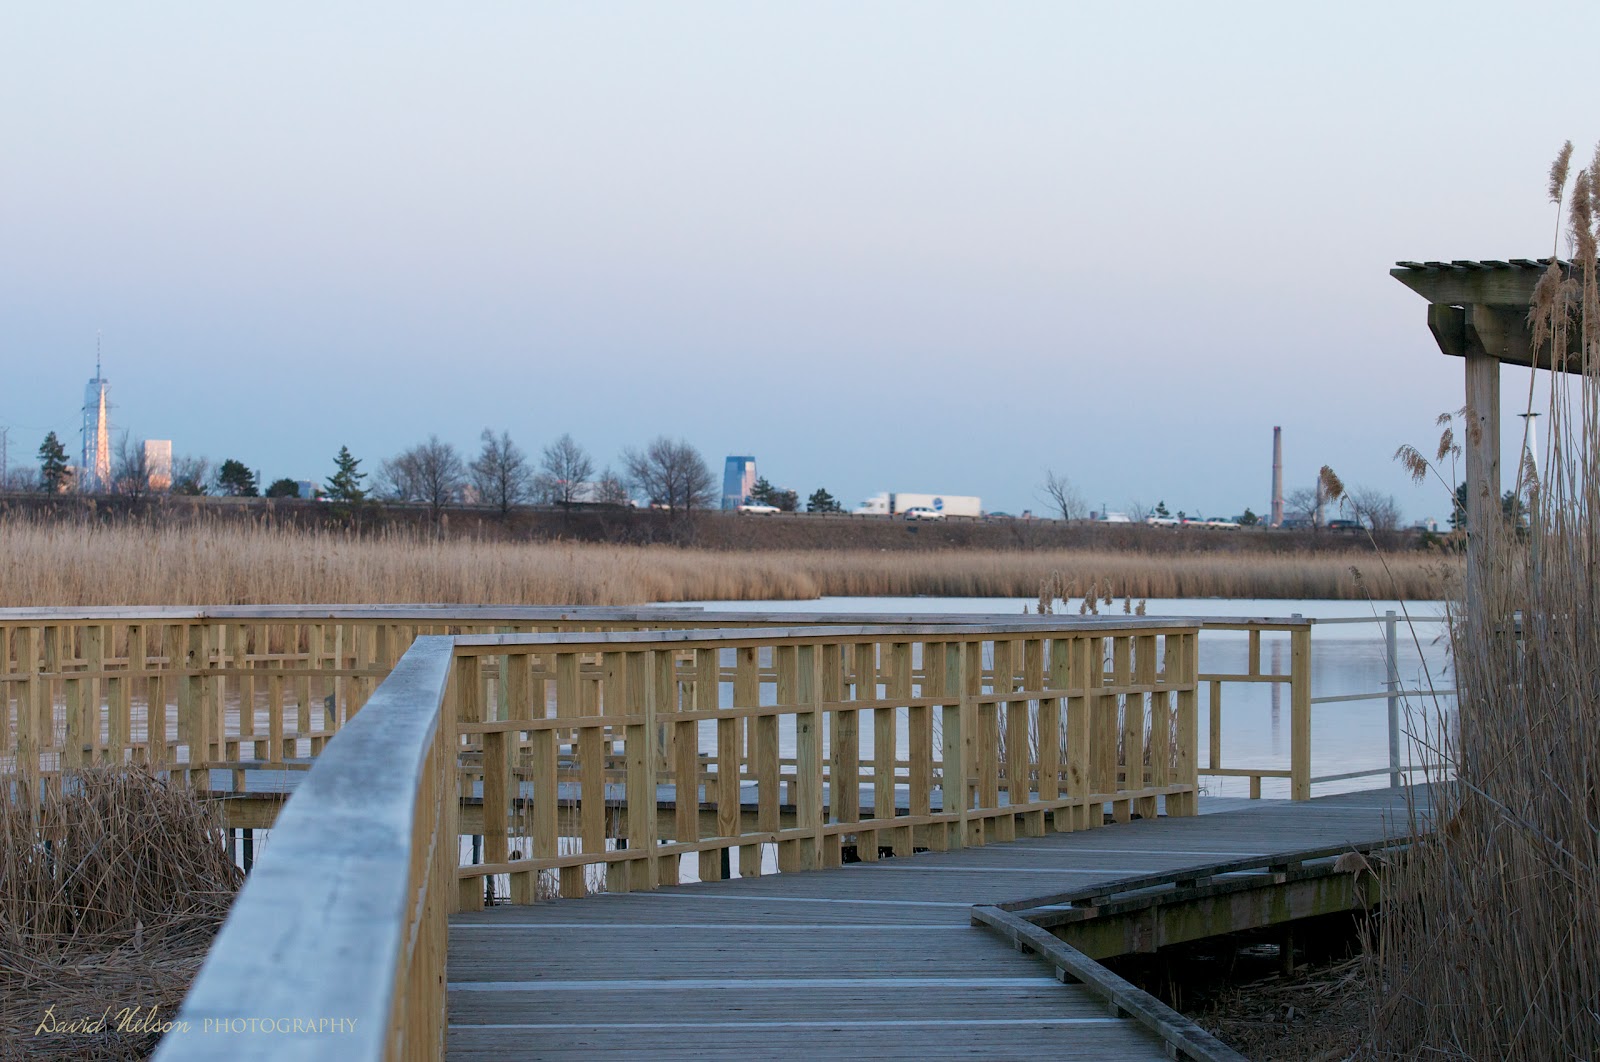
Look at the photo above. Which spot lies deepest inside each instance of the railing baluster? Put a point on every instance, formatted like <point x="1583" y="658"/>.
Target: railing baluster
<point x="1142" y="707"/>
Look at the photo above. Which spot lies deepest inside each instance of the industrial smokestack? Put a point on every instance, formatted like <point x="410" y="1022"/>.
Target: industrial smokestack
<point x="1277" y="477"/>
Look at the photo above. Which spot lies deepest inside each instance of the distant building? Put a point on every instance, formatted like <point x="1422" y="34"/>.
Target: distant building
<point x="158" y="463"/>
<point x="738" y="479"/>
<point x="306" y="489"/>
<point x="96" y="463"/>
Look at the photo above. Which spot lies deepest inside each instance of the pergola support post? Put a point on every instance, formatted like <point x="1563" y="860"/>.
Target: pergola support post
<point x="1482" y="446"/>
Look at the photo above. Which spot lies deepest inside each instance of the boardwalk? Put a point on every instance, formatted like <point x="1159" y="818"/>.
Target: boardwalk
<point x="865" y="961"/>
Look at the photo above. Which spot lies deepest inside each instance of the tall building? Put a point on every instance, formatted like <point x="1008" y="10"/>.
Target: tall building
<point x="738" y="479"/>
<point x="95" y="468"/>
<point x="158" y="463"/>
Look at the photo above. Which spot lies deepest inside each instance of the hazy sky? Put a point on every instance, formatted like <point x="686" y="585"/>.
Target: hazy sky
<point x="880" y="246"/>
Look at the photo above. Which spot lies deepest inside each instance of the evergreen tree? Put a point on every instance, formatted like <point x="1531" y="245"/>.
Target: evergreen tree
<point x="1161" y="510"/>
<point x="764" y="493"/>
<point x="345" y="486"/>
<point x="52" y="464"/>
<point x="284" y="488"/>
<point x="236" y="480"/>
<point x="823" y="502"/>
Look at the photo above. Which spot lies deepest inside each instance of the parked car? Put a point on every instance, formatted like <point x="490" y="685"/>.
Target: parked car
<point x="922" y="512"/>
<point x="760" y="510"/>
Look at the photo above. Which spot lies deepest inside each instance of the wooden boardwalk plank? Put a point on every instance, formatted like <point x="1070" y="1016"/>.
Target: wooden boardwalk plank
<point x="868" y="959"/>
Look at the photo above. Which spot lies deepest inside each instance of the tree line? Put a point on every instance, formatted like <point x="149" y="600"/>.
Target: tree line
<point x="667" y="473"/>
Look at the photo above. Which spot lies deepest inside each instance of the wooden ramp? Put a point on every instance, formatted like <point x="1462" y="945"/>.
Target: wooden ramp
<point x="868" y="961"/>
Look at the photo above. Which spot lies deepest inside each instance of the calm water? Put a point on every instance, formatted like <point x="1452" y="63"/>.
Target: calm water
<point x="1346" y="659"/>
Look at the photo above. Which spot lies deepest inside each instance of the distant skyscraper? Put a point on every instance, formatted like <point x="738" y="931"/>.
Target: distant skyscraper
<point x="94" y="472"/>
<point x="738" y="477"/>
<point x="158" y="463"/>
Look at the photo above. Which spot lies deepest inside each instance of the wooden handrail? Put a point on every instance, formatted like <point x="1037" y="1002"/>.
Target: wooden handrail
<point x="343" y="919"/>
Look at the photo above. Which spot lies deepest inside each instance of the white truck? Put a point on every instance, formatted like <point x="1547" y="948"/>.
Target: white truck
<point x="895" y="504"/>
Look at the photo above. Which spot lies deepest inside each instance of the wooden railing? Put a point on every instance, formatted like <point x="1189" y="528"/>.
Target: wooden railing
<point x="1297" y="679"/>
<point x="167" y="686"/>
<point x="589" y="749"/>
<point x="631" y="752"/>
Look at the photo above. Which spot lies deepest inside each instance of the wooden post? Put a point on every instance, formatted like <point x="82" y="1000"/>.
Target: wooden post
<point x="569" y="703"/>
<point x="808" y="758"/>
<point x="119" y="703"/>
<point x="832" y="693"/>
<point x="746" y="694"/>
<point x="1140" y="705"/>
<point x="541" y="815"/>
<point x="617" y="698"/>
<point x="1483" y="464"/>
<point x="1121" y="675"/>
<point x="1186" y="766"/>
<point x="671" y="699"/>
<point x="1015" y="761"/>
<point x="707" y="692"/>
<point x="867" y="690"/>
<point x="94" y="689"/>
<point x="466" y="696"/>
<point x="33" y="691"/>
<point x="55" y="656"/>
<point x="957" y="714"/>
<point x="920" y="737"/>
<point x="639" y="749"/>
<point x="986" y="749"/>
<point x="1085" y="723"/>
<point x="79" y="739"/>
<point x="886" y="746"/>
<point x="163" y="642"/>
<point x="1033" y="679"/>
<point x="844" y="775"/>
<point x="934" y="685"/>
<point x="1300" y="713"/>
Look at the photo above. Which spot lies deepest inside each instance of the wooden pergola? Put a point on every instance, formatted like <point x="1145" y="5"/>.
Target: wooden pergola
<point x="1478" y="311"/>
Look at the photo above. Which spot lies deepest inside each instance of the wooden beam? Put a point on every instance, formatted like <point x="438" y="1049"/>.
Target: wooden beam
<point x="1449" y="327"/>
<point x="1486" y="287"/>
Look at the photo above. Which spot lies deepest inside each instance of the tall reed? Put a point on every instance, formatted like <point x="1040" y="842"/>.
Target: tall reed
<point x="1489" y="946"/>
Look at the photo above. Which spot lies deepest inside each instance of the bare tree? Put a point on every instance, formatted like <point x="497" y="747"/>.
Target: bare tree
<point x="500" y="472"/>
<point x="21" y="478"/>
<point x="1311" y="503"/>
<point x="431" y="473"/>
<point x="611" y="490"/>
<point x="1063" y="496"/>
<point x="130" y="467"/>
<point x="1374" y="507"/>
<point x="670" y="473"/>
<point x="190" y="475"/>
<point x="564" y="468"/>
<point x="1136" y="510"/>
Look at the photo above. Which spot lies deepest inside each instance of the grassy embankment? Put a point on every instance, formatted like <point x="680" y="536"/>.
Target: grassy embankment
<point x="61" y="564"/>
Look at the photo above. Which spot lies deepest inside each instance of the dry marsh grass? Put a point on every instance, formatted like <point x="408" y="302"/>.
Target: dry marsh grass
<point x="110" y="892"/>
<point x="64" y="564"/>
<point x="1489" y="946"/>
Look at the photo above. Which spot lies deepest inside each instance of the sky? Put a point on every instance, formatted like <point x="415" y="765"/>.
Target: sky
<point x="920" y="246"/>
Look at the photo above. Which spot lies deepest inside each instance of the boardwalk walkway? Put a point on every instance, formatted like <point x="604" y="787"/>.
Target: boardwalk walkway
<point x="872" y="960"/>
